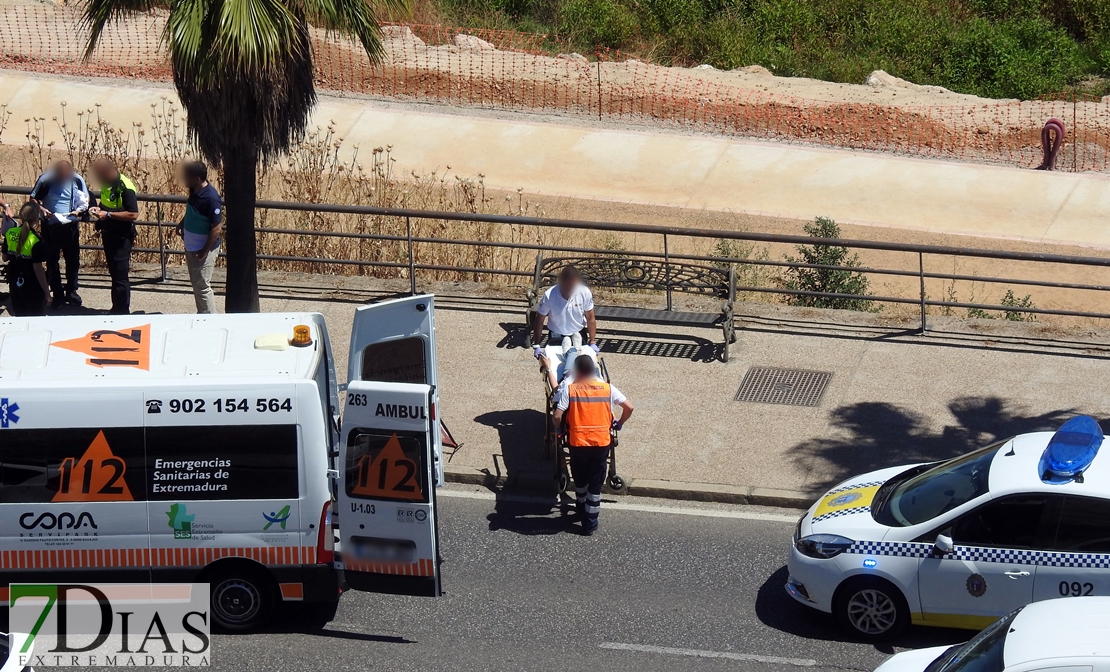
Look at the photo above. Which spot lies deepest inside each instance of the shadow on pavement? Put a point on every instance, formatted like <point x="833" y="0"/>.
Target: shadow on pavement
<point x="361" y="636"/>
<point x="290" y="619"/>
<point x="521" y="433"/>
<point x="533" y="518"/>
<point x="775" y="609"/>
<point x="874" y="435"/>
<point x="610" y="341"/>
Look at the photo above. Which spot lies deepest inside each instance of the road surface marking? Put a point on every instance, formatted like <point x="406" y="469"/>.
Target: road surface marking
<point x="627" y="506"/>
<point x="697" y="653"/>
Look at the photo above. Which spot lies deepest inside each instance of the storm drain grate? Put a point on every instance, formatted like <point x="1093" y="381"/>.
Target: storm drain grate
<point x="791" y="387"/>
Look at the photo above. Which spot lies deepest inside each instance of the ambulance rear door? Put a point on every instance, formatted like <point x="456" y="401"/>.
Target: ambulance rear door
<point x="387" y="505"/>
<point x="394" y="342"/>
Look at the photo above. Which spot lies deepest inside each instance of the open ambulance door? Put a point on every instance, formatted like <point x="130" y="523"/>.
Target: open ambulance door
<point x="388" y="452"/>
<point x="395" y="342"/>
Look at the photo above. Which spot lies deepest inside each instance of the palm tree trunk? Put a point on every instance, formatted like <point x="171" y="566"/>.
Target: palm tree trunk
<point x="240" y="192"/>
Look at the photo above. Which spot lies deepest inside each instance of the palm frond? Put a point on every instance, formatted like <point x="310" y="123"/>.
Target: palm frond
<point x="358" y="18"/>
<point x="185" y="31"/>
<point x="99" y="13"/>
<point x="255" y="33"/>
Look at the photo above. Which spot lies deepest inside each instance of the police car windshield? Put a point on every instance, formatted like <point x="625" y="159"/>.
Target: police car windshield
<point x="937" y="490"/>
<point x="982" y="654"/>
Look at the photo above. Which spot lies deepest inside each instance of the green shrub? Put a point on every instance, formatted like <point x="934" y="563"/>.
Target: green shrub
<point x="828" y="280"/>
<point x="1018" y="58"/>
<point x="997" y="48"/>
<point x="1084" y="19"/>
<point x="1024" y="302"/>
<point x="598" y="23"/>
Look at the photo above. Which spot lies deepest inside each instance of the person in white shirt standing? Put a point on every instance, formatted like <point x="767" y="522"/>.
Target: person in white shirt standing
<point x="568" y="309"/>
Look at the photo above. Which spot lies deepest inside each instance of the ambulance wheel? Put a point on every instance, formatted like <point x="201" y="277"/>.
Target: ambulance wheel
<point x="242" y="598"/>
<point x="871" y="608"/>
<point x="618" y="485"/>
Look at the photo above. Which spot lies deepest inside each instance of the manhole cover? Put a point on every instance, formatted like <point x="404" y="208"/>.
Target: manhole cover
<point x="792" y="387"/>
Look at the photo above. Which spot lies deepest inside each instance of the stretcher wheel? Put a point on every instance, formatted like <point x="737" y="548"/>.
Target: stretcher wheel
<point x="562" y="482"/>
<point x="617" y="484"/>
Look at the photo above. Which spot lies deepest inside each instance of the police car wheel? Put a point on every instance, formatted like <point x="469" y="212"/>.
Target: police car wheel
<point x="871" y="608"/>
<point x="241" y="600"/>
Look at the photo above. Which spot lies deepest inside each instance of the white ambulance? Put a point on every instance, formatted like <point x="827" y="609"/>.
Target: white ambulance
<point x="209" y="448"/>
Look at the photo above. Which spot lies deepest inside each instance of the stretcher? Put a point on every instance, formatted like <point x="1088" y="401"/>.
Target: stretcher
<point x="555" y="443"/>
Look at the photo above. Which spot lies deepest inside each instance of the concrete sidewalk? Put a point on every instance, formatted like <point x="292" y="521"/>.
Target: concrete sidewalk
<point x="894" y="397"/>
<point x="563" y="156"/>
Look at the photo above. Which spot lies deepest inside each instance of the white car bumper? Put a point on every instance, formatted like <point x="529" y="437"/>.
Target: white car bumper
<point x="812" y="581"/>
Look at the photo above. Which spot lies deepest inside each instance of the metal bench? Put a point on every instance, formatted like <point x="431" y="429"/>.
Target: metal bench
<point x="638" y="274"/>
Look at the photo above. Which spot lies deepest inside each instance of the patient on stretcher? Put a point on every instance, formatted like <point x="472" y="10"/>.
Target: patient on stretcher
<point x="558" y="360"/>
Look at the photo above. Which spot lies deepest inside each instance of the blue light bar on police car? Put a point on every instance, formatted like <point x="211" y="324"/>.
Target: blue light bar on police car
<point x="1071" y="450"/>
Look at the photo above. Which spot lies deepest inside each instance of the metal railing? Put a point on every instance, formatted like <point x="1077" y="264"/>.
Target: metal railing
<point x="412" y="266"/>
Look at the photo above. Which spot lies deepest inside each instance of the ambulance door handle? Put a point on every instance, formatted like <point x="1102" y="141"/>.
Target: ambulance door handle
<point x="1015" y="575"/>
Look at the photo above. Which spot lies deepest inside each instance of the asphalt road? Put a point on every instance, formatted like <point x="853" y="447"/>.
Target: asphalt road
<point x="690" y="587"/>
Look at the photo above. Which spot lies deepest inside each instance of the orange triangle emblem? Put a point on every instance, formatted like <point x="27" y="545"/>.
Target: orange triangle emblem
<point x="108" y="348"/>
<point x="390" y="475"/>
<point x="97" y="476"/>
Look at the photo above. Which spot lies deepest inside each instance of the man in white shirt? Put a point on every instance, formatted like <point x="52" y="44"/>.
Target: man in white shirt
<point x="568" y="307"/>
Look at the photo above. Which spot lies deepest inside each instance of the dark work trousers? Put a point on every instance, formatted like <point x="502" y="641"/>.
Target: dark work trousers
<point x="64" y="240"/>
<point x="588" y="467"/>
<point x="117" y="253"/>
<point x="27" y="297"/>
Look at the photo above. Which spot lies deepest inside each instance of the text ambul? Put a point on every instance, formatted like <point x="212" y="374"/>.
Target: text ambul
<point x="401" y="411"/>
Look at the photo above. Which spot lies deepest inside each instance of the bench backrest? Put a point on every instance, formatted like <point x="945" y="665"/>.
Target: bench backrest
<point x="625" y="272"/>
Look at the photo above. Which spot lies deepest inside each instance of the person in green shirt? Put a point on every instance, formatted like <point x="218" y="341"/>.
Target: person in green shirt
<point x="25" y="252"/>
<point x="115" y="217"/>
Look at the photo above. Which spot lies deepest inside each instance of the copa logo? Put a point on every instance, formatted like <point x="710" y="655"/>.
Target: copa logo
<point x="61" y="521"/>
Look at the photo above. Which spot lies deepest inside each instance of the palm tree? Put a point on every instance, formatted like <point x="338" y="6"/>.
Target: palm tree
<point x="243" y="71"/>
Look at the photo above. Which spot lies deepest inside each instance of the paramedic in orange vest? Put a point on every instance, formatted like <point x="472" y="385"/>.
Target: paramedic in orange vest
<point x="587" y="405"/>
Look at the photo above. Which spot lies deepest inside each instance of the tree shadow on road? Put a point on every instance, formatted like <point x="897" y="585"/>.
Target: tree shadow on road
<point x="873" y="435"/>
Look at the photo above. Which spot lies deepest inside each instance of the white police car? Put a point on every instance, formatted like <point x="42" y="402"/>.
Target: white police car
<point x="963" y="542"/>
<point x="1055" y="635"/>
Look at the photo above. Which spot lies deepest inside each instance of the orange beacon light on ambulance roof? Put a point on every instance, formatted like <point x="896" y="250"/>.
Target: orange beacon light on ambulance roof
<point x="302" y="336"/>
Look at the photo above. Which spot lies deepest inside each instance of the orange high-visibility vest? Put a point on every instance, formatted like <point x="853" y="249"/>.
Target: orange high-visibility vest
<point x="590" y="414"/>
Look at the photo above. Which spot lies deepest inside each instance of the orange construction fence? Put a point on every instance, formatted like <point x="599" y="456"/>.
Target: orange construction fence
<point x="511" y="70"/>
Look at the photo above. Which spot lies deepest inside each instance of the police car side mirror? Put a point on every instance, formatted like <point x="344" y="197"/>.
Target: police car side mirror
<point x="943" y="545"/>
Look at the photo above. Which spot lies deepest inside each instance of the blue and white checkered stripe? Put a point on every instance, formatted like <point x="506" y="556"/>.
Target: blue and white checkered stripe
<point x="909" y="549"/>
<point x="841" y="512"/>
<point x="857" y="486"/>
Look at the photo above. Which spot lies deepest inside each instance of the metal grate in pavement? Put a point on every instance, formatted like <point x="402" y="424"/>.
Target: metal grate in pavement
<point x="790" y="387"/>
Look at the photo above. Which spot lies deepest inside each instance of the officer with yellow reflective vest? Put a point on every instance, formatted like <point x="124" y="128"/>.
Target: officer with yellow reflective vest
<point x="25" y="253"/>
<point x="115" y="220"/>
<point x="587" y="406"/>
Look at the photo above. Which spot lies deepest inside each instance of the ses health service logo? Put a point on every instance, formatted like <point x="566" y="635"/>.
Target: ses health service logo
<point x="279" y="517"/>
<point x="7" y="413"/>
<point x="181" y="521"/>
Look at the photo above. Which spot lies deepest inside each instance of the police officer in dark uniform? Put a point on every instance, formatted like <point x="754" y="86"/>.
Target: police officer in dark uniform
<point x="25" y="252"/>
<point x="115" y="220"/>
